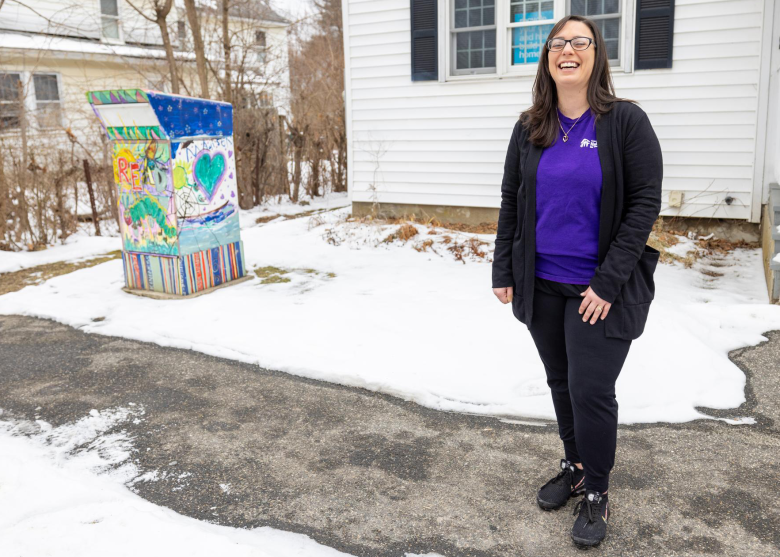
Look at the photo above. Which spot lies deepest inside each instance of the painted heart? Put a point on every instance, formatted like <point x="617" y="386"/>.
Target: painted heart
<point x="209" y="172"/>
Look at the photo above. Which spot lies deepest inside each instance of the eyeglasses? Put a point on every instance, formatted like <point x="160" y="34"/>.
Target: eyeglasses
<point x="577" y="43"/>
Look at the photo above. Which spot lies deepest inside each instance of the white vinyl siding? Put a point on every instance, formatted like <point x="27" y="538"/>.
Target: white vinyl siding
<point x="113" y="21"/>
<point x="54" y="17"/>
<point x="444" y="142"/>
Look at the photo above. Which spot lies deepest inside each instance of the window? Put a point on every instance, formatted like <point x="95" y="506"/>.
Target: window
<point x="248" y="99"/>
<point x="265" y="100"/>
<point x="181" y="31"/>
<point x="48" y="106"/>
<point x="259" y="47"/>
<point x="506" y="37"/>
<point x="530" y="22"/>
<point x="109" y="19"/>
<point x="474" y="36"/>
<point x="10" y="86"/>
<point x="606" y="13"/>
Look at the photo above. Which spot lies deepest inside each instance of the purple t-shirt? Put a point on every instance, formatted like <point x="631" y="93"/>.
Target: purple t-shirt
<point x="568" y="200"/>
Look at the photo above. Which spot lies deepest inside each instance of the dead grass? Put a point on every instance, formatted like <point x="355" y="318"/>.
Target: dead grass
<point x="404" y="233"/>
<point x="267" y="218"/>
<point x="468" y="248"/>
<point x="275" y="275"/>
<point x="424" y="246"/>
<point x="664" y="236"/>
<point x="482" y="228"/>
<point x="272" y="275"/>
<point x="15" y="281"/>
<point x="304" y="214"/>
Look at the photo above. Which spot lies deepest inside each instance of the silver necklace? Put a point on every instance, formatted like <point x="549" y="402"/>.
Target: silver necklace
<point x="565" y="133"/>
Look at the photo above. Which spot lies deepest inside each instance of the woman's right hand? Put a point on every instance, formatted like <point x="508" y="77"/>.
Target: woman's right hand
<point x="504" y="295"/>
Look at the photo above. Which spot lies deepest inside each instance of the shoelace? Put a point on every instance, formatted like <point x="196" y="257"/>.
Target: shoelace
<point x="562" y="474"/>
<point x="594" y="509"/>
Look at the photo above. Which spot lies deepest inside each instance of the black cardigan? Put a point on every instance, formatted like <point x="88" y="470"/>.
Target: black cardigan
<point x="632" y="172"/>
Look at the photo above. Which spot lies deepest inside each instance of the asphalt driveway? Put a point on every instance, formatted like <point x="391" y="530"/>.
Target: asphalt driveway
<point x="374" y="475"/>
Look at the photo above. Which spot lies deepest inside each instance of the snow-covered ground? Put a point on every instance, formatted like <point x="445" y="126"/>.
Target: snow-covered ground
<point x="419" y="324"/>
<point x="57" y="498"/>
<point x="77" y="247"/>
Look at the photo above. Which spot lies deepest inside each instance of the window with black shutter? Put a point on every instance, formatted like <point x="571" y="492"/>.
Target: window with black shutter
<point x="654" y="31"/>
<point x="425" y="57"/>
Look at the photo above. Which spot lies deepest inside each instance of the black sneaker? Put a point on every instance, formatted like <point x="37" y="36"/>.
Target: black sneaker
<point x="569" y="482"/>
<point x="591" y="525"/>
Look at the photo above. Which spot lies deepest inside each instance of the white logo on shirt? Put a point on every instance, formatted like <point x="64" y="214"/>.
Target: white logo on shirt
<point x="588" y="143"/>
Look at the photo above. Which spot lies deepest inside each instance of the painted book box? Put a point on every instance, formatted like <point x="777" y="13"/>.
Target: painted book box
<point x="175" y="175"/>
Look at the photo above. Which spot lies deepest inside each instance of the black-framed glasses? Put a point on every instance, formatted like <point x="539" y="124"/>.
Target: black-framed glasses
<point x="577" y="43"/>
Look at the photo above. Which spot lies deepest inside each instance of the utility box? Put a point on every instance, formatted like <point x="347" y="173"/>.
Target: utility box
<point x="175" y="175"/>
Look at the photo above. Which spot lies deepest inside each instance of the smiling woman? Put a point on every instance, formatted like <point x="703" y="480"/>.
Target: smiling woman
<point x="580" y="193"/>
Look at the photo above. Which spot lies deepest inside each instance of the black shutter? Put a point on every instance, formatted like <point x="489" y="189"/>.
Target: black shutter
<point x="654" y="31"/>
<point x="425" y="52"/>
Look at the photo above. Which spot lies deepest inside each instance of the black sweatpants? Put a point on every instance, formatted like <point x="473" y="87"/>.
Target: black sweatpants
<point x="582" y="365"/>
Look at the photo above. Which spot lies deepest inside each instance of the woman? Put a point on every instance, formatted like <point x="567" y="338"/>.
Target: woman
<point x="580" y="193"/>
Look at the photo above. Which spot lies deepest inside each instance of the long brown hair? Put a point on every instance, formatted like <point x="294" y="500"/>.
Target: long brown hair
<point x="541" y="119"/>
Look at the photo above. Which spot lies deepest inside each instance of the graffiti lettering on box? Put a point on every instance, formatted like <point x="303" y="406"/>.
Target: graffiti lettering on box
<point x="146" y="202"/>
<point x="128" y="173"/>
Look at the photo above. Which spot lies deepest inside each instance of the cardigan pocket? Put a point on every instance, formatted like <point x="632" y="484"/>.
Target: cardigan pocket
<point x="632" y="305"/>
<point x="626" y="322"/>
<point x="640" y="286"/>
<point x="634" y="320"/>
<point x="518" y="308"/>
<point x="518" y="254"/>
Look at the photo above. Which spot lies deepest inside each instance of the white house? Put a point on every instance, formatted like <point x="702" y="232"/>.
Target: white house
<point x="434" y="87"/>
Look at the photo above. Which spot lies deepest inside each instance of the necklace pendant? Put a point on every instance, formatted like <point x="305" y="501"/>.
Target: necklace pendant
<point x="565" y="138"/>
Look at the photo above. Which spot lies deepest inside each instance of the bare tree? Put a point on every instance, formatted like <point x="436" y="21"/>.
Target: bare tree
<point x="4" y="199"/>
<point x="318" y="121"/>
<point x="161" y="9"/>
<point x="200" y="51"/>
<point x="227" y="86"/>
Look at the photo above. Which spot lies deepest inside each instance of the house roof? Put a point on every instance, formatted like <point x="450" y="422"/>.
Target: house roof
<point x="50" y="43"/>
<point x="260" y="10"/>
<point x="263" y="12"/>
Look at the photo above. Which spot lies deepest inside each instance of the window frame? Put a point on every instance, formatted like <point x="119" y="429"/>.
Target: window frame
<point x="504" y="68"/>
<point x="452" y="32"/>
<point x="614" y="64"/>
<point x="259" y="49"/>
<point x="31" y="104"/>
<point x="59" y="102"/>
<point x="117" y="17"/>
<point x="21" y="76"/>
<point x="181" y="32"/>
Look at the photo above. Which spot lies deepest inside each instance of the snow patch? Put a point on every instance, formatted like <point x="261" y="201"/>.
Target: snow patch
<point x="424" y="326"/>
<point x="53" y="503"/>
<point x="77" y="247"/>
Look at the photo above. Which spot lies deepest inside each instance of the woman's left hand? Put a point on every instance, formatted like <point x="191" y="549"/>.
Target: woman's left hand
<point x="590" y="304"/>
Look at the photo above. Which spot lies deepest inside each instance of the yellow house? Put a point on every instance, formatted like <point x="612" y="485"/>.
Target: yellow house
<point x="56" y="50"/>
